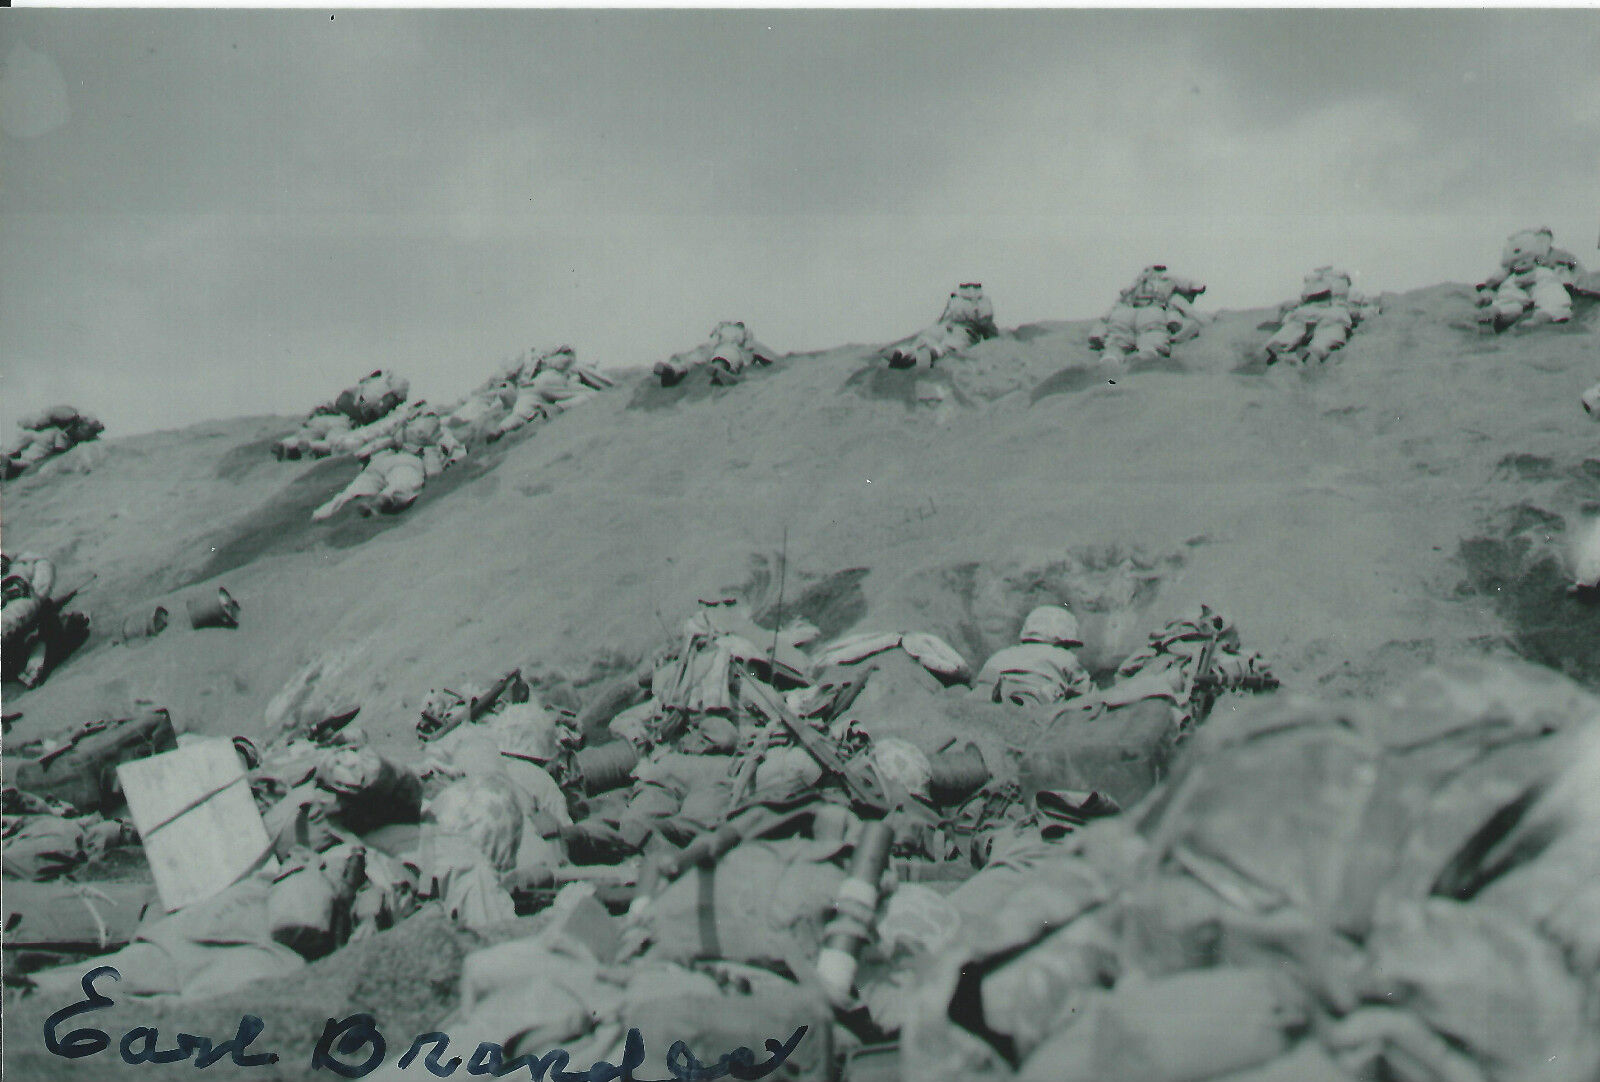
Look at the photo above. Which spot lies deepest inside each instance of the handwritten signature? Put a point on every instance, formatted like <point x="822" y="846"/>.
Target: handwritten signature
<point x="344" y="1041"/>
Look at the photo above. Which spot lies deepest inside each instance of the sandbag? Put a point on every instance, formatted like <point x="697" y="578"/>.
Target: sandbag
<point x="552" y="1000"/>
<point x="455" y="873"/>
<point x="1018" y="903"/>
<point x="1024" y="998"/>
<point x="702" y="783"/>
<point x="308" y="908"/>
<point x="713" y="1024"/>
<point x="1489" y="983"/>
<point x="937" y="656"/>
<point x="1307" y="1062"/>
<point x="485" y="813"/>
<point x="1124" y="752"/>
<point x="856" y="648"/>
<point x="40" y="847"/>
<point x="1183" y="1028"/>
<point x="209" y="948"/>
<point x="786" y="766"/>
<point x="761" y="902"/>
<point x="67" y="916"/>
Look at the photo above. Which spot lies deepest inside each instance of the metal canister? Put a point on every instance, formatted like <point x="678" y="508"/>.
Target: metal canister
<point x="606" y="767"/>
<point x="145" y="626"/>
<point x="219" y="611"/>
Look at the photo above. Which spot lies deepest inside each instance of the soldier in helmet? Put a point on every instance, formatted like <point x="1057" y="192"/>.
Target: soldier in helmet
<point x="338" y="426"/>
<point x="1150" y="316"/>
<point x="547" y="385"/>
<point x="375" y="396"/>
<point x="1321" y="320"/>
<point x="968" y="319"/>
<point x="730" y="350"/>
<point x="1042" y="668"/>
<point x="1534" y="275"/>
<point x="51" y="432"/>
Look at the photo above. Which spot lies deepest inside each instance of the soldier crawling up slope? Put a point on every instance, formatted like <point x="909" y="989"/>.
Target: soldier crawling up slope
<point x="1321" y="320"/>
<point x="398" y="464"/>
<point x="545" y="385"/>
<point x="1150" y="316"/>
<point x="52" y="432"/>
<point x="346" y="423"/>
<point x="1534" y="281"/>
<point x="968" y="319"/>
<point x="730" y="350"/>
<point x="535" y="387"/>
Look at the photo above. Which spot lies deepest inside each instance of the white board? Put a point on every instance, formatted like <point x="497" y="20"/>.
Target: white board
<point x="199" y="824"/>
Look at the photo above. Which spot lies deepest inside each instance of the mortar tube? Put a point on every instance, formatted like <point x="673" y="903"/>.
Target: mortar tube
<point x="854" y="908"/>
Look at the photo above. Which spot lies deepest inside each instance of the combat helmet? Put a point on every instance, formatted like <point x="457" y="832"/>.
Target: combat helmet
<point x="1052" y="624"/>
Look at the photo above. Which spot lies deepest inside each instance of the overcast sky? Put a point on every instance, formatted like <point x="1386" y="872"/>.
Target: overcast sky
<point x="209" y="213"/>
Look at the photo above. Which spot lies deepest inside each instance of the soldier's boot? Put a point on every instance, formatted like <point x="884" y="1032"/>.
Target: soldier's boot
<point x="32" y="673"/>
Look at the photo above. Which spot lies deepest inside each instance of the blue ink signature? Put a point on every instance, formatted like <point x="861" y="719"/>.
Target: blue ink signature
<point x="138" y="1045"/>
<point x="344" y="1040"/>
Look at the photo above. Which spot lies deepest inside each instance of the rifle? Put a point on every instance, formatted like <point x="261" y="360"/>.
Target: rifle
<point x="61" y="601"/>
<point x="470" y="710"/>
<point x="1205" y="685"/>
<point x="865" y="793"/>
<point x="615" y="888"/>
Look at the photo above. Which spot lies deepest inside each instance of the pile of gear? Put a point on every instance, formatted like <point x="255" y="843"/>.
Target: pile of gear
<point x="1151" y="316"/>
<point x="1533" y="284"/>
<point x="1321" y="320"/>
<point x="349" y="421"/>
<point x="723" y="845"/>
<point x="730" y="350"/>
<point x="731" y="754"/>
<point x="968" y="319"/>
<point x="42" y="435"/>
<point x="38" y="631"/>
<point x="1401" y="890"/>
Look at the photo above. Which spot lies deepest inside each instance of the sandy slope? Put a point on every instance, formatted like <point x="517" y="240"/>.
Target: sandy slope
<point x="1325" y="512"/>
